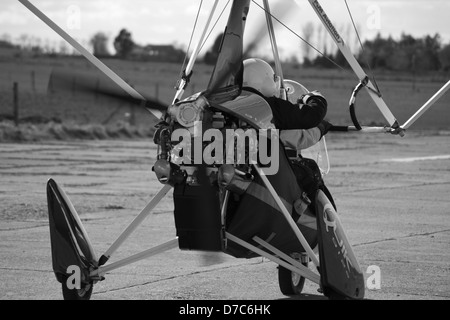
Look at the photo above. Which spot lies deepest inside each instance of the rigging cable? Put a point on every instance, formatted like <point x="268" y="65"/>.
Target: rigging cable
<point x="304" y="40"/>
<point x="190" y="41"/>
<point x="215" y="23"/>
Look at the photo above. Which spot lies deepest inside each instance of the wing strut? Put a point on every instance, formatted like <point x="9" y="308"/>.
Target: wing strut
<point x="190" y="65"/>
<point x="427" y="105"/>
<point x="373" y="92"/>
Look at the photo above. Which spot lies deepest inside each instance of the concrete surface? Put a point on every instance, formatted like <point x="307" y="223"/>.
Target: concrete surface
<point x="392" y="193"/>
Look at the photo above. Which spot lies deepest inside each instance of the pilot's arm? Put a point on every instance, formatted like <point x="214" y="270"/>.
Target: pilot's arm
<point x="299" y="139"/>
<point x="306" y="114"/>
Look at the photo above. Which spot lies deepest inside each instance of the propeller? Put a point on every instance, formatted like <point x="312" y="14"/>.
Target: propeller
<point x="228" y="66"/>
<point x="280" y="10"/>
<point x="66" y="81"/>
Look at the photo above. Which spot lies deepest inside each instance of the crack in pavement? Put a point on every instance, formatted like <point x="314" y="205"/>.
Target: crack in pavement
<point x="393" y="188"/>
<point x="24" y="269"/>
<point x="24" y="228"/>
<point x="90" y="220"/>
<point x="399" y="294"/>
<point x="402" y="237"/>
<point x="177" y="276"/>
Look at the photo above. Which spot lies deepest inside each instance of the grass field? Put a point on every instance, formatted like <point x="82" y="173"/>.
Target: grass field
<point x="403" y="94"/>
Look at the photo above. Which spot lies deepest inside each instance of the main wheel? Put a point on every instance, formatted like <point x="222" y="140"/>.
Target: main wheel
<point x="292" y="283"/>
<point x="84" y="293"/>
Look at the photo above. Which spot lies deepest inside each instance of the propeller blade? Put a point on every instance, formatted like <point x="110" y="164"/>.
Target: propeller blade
<point x="229" y="62"/>
<point x="67" y="81"/>
<point x="260" y="32"/>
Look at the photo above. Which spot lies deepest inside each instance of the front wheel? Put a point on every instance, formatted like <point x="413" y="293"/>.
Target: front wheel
<point x="84" y="293"/>
<point x="291" y="283"/>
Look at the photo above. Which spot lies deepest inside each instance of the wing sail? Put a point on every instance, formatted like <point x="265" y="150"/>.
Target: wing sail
<point x="228" y="69"/>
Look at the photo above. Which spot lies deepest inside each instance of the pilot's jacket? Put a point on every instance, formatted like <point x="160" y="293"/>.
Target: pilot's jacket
<point x="298" y="123"/>
<point x="288" y="116"/>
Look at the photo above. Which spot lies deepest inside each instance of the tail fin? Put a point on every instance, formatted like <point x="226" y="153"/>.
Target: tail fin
<point x="341" y="276"/>
<point x="69" y="242"/>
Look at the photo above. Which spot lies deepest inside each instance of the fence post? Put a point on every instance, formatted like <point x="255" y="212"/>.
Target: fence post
<point x="16" y="103"/>
<point x="132" y="120"/>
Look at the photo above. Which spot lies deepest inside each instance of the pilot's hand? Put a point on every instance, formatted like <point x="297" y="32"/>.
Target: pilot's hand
<point x="324" y="126"/>
<point x="313" y="95"/>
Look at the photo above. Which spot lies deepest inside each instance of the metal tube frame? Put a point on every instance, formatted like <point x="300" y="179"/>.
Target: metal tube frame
<point x="373" y="92"/>
<point x="278" y="256"/>
<point x="190" y="65"/>
<point x="288" y="217"/>
<point x="292" y="265"/>
<point x="102" y="270"/>
<point x="303" y="271"/>
<point x="285" y="261"/>
<point x="137" y="221"/>
<point x="427" y="105"/>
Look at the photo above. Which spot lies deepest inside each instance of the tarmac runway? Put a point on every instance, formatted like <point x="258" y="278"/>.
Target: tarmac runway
<point x="392" y="194"/>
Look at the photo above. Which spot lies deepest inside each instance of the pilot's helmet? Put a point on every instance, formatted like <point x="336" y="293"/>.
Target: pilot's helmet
<point x="260" y="76"/>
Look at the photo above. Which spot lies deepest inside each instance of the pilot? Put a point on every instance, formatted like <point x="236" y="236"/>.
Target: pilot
<point x="301" y="125"/>
<point x="260" y="78"/>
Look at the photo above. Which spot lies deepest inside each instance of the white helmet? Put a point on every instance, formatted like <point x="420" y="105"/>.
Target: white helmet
<point x="260" y="76"/>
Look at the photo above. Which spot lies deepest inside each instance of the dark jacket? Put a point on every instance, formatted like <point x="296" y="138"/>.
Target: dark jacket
<point x="289" y="116"/>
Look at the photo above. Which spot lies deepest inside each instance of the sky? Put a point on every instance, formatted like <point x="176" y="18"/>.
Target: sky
<point x="172" y="21"/>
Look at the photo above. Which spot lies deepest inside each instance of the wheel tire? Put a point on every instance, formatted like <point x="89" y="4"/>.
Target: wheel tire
<point x="290" y="282"/>
<point x="84" y="293"/>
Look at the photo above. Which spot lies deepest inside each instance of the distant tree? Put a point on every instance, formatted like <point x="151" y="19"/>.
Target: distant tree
<point x="211" y="55"/>
<point x="63" y="49"/>
<point x="99" y="44"/>
<point x="37" y="51"/>
<point x="323" y="61"/>
<point x="124" y="44"/>
<point x="6" y="37"/>
<point x="162" y="53"/>
<point x="47" y="47"/>
<point x="401" y="60"/>
<point x="408" y="53"/>
<point x="444" y="57"/>
<point x="380" y="51"/>
<point x="24" y="41"/>
<point x="429" y="60"/>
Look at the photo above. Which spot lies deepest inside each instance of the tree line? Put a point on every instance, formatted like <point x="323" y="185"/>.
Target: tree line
<point x="99" y="44"/>
<point x="408" y="53"/>
<point x="405" y="54"/>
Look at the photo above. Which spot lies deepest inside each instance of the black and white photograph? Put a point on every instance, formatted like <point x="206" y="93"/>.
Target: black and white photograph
<point x="225" y="155"/>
